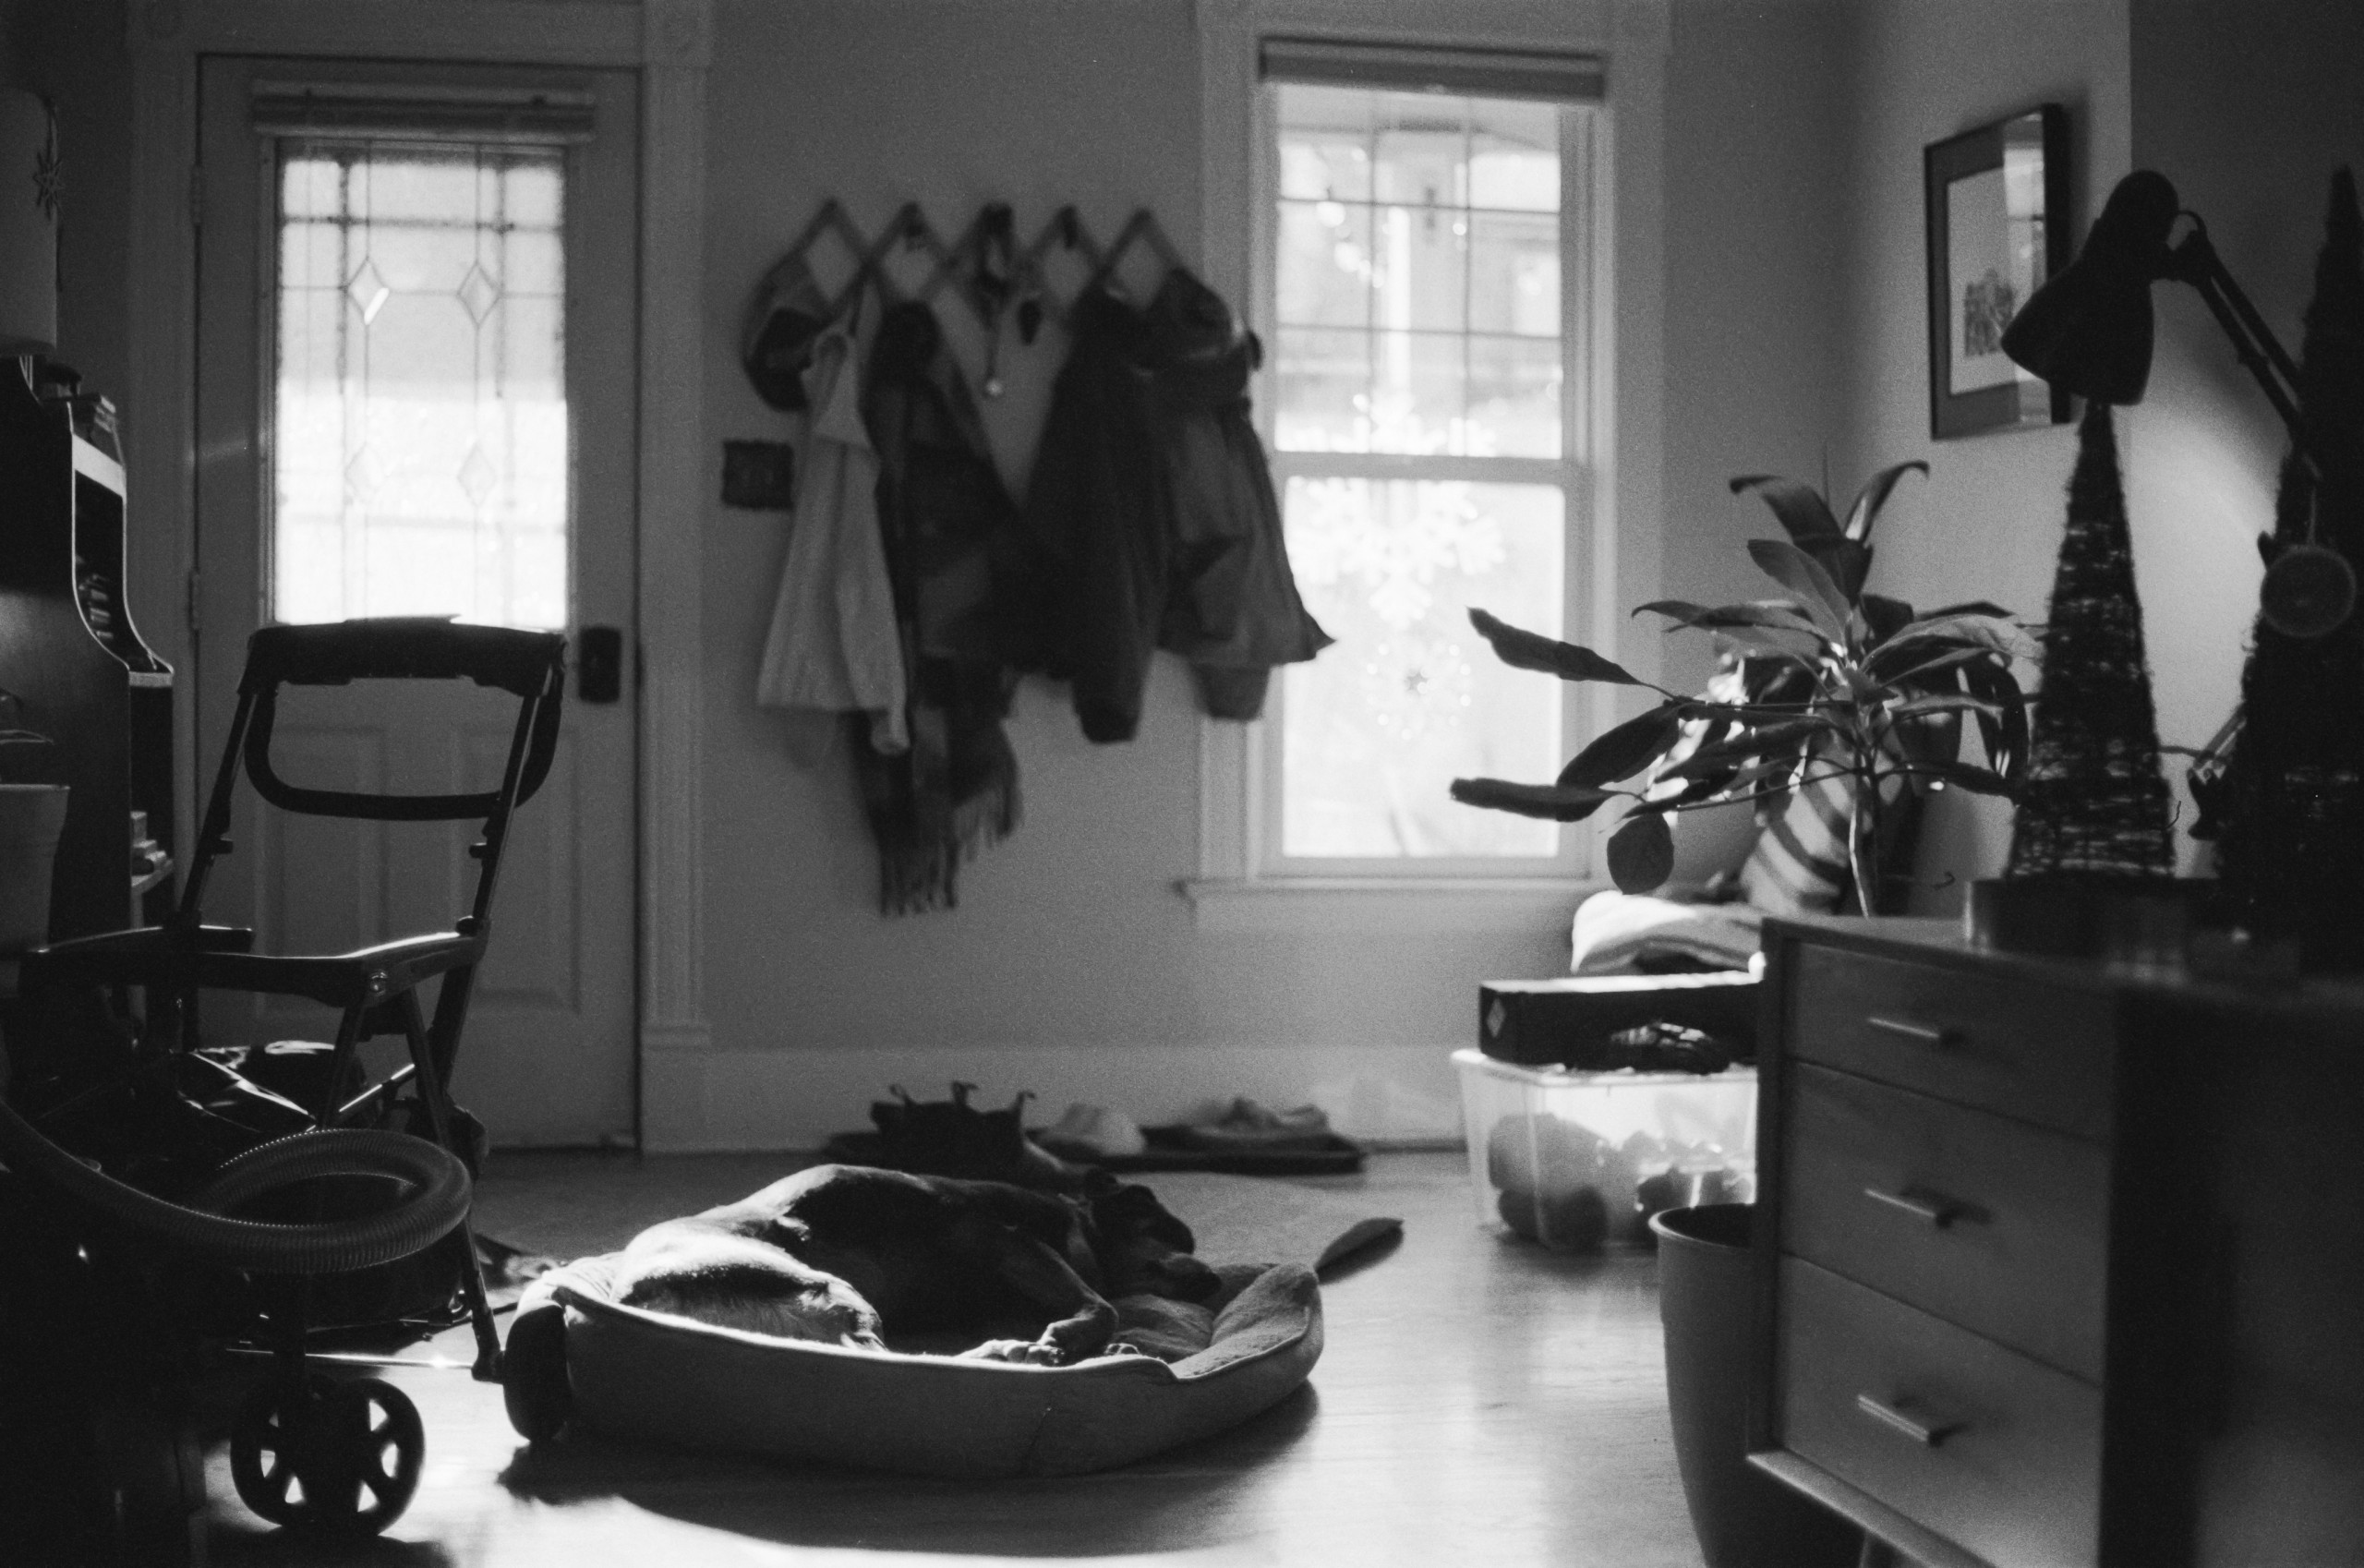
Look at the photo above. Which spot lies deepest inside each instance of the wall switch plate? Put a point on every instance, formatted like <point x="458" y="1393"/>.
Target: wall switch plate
<point x="760" y="476"/>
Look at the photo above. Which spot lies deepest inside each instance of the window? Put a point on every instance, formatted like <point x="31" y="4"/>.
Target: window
<point x="420" y="462"/>
<point x="1427" y="292"/>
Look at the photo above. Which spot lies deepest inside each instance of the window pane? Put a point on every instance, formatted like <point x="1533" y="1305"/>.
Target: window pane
<point x="1325" y="145"/>
<point x="1515" y="274"/>
<point x="1416" y="396"/>
<point x="1432" y="220"/>
<point x="1513" y="398"/>
<point x="1410" y="697"/>
<point x="1322" y="390"/>
<point x="1423" y="269"/>
<point x="1326" y="269"/>
<point x="1514" y="156"/>
<point x="420" y="447"/>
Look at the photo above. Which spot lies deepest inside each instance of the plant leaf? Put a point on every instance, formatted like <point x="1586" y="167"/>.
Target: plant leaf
<point x="1971" y="606"/>
<point x="1641" y="853"/>
<point x="1803" y="575"/>
<point x="1527" y="650"/>
<point x="1917" y="707"/>
<point x="1956" y="630"/>
<point x="1749" y="746"/>
<point x="1874" y="495"/>
<point x="1885" y="615"/>
<point x="1848" y="561"/>
<point x="2005" y="739"/>
<point x="1963" y="776"/>
<point x="1916" y="676"/>
<point x="1618" y="754"/>
<point x="1781" y="614"/>
<point x="1558" y="802"/>
<point x="1800" y="506"/>
<point x="1778" y="642"/>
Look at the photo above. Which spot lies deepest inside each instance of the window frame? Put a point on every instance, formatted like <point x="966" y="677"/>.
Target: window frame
<point x="1575" y="473"/>
<point x="1235" y="888"/>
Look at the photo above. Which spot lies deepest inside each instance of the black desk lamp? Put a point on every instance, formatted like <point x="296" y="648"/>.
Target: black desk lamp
<point x="2088" y="331"/>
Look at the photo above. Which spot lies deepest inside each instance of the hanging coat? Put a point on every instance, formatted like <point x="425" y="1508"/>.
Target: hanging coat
<point x="1151" y="517"/>
<point x="1089" y="598"/>
<point x="1231" y="604"/>
<point x="834" y="643"/>
<point x="941" y="506"/>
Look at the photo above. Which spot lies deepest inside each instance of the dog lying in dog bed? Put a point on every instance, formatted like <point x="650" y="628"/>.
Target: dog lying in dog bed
<point x="853" y="1315"/>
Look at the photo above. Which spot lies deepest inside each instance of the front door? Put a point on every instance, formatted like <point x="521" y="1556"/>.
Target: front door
<point x="416" y="343"/>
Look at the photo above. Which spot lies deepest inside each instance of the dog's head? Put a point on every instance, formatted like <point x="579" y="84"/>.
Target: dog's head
<point x="1142" y="1249"/>
<point x="741" y="1283"/>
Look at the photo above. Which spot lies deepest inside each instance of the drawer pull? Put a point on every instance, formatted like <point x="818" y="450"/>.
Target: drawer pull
<point x="1927" y="1434"/>
<point x="1938" y="1213"/>
<point x="1906" y="1029"/>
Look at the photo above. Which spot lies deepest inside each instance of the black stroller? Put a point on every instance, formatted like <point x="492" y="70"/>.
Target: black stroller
<point x="215" y="1199"/>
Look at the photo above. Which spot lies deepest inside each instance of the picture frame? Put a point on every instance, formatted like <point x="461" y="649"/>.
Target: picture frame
<point x="1997" y="199"/>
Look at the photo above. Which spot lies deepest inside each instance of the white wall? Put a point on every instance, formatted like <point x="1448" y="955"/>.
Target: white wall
<point x="1072" y="967"/>
<point x="1755" y="354"/>
<point x="1987" y="524"/>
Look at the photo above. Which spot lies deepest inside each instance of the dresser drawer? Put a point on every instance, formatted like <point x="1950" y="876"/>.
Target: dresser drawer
<point x="1990" y="1224"/>
<point x="2036" y="1051"/>
<point x="1991" y="1451"/>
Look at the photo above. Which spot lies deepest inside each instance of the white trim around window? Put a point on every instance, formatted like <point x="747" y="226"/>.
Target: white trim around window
<point x="1614" y="537"/>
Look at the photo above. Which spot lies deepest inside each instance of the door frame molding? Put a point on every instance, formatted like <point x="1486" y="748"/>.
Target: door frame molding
<point x="669" y="42"/>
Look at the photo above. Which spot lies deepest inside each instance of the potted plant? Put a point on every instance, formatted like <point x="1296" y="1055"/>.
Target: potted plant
<point x="1842" y="684"/>
<point x="31" y="817"/>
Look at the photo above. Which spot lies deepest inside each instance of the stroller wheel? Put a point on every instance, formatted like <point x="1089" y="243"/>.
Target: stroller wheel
<point x="338" y="1458"/>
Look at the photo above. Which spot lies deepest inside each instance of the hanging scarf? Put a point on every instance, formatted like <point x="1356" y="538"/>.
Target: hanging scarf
<point x="941" y="505"/>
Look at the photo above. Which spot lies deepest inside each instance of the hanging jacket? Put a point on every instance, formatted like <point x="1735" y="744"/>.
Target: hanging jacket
<point x="941" y="505"/>
<point x="1151" y="520"/>
<point x="834" y="645"/>
<point x="1231" y="602"/>
<point x="1085" y="606"/>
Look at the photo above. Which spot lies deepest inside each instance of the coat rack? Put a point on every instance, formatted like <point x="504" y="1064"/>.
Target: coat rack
<point x="985" y="265"/>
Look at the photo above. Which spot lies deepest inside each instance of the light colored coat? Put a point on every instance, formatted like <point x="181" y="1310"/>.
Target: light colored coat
<point x="833" y="644"/>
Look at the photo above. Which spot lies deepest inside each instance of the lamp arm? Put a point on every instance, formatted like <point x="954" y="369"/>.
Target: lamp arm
<point x="2194" y="261"/>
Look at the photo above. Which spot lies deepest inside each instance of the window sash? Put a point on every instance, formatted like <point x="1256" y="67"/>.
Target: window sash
<point x="1573" y="473"/>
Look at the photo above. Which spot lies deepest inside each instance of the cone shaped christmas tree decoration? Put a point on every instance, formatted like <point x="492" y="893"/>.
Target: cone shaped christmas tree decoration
<point x="2290" y="844"/>
<point x="2094" y="803"/>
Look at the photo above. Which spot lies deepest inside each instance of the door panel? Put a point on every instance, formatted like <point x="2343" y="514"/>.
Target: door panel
<point x="326" y="878"/>
<point x="415" y="381"/>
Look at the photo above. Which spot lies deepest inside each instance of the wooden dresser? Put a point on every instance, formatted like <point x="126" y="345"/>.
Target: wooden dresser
<point x="2057" y="1264"/>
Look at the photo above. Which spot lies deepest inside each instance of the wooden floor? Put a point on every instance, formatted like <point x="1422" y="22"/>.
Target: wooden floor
<point x="1478" y="1402"/>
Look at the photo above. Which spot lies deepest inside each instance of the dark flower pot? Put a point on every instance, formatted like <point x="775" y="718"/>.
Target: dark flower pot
<point x="1743" y="1517"/>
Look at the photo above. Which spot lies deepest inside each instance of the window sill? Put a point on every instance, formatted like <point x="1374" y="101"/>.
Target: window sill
<point x="1402" y="904"/>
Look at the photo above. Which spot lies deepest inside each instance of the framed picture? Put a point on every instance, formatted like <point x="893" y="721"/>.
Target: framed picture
<point x="1998" y="227"/>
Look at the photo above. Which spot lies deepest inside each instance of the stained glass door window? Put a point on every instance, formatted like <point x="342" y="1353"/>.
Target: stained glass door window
<point x="420" y="460"/>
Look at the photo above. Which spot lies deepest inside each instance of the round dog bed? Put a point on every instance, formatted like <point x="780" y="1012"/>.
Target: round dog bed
<point x="577" y="1355"/>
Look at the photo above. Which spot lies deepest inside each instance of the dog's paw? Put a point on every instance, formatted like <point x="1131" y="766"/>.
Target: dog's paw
<point x="1026" y="1352"/>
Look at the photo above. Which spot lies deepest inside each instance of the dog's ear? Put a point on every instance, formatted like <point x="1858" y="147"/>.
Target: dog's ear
<point x="1129" y="1210"/>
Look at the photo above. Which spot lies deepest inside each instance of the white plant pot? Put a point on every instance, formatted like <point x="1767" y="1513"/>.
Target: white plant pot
<point x="31" y="817"/>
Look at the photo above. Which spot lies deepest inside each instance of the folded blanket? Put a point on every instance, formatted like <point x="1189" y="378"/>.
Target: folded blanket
<point x="1616" y="933"/>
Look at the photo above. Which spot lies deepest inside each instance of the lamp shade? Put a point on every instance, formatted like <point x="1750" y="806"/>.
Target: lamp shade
<point x="28" y="223"/>
<point x="2088" y="331"/>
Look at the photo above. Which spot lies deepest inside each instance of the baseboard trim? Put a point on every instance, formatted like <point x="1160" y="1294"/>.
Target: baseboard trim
<point x="706" y="1101"/>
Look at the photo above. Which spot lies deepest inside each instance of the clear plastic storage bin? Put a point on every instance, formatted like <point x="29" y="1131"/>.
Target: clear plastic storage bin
<point x="1580" y="1161"/>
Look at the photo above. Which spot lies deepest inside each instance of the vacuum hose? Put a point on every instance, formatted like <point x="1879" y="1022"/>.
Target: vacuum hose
<point x="436" y="1201"/>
